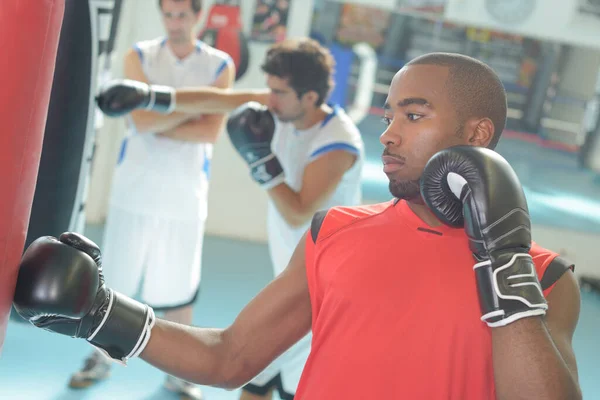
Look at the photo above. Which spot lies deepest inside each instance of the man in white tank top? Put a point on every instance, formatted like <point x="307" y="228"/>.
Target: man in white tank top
<point x="319" y="153"/>
<point x="158" y="201"/>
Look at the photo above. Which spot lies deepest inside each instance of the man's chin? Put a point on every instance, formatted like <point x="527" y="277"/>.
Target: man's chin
<point x="405" y="190"/>
<point x="289" y="118"/>
<point x="177" y="38"/>
<point x="286" y="119"/>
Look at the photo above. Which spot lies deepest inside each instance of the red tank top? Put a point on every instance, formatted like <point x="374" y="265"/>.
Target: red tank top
<point x="395" y="309"/>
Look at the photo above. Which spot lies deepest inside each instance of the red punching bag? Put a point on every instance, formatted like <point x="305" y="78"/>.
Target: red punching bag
<point x="30" y="30"/>
<point x="223" y="31"/>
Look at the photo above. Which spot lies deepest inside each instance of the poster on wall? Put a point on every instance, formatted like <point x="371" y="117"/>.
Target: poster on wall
<point x="270" y="20"/>
<point x="360" y="23"/>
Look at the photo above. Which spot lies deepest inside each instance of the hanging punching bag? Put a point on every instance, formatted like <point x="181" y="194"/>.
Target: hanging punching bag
<point x="223" y="31"/>
<point x="58" y="203"/>
<point x="30" y="29"/>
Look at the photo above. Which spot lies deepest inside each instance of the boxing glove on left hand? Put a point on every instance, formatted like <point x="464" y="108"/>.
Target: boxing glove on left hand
<point x="251" y="128"/>
<point x="61" y="288"/>
<point x="477" y="188"/>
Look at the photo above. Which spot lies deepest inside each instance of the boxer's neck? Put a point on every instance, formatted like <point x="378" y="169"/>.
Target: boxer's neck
<point x="313" y="117"/>
<point x="182" y="49"/>
<point x="421" y="210"/>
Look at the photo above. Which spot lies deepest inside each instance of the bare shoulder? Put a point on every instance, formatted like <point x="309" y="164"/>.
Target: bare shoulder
<point x="564" y="302"/>
<point x="563" y="315"/>
<point x="226" y="77"/>
<point x="132" y="66"/>
<point x="131" y="56"/>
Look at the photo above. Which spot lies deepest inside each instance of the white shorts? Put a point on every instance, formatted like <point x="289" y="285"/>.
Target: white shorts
<point x="155" y="259"/>
<point x="284" y="373"/>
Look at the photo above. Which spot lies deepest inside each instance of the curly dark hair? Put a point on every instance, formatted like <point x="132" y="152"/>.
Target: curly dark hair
<point x="306" y="65"/>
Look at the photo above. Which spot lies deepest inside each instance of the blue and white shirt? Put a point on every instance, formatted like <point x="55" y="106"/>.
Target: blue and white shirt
<point x="296" y="149"/>
<point x="160" y="176"/>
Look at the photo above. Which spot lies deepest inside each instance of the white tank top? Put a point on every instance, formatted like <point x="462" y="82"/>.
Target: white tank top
<point x="160" y="176"/>
<point x="295" y="150"/>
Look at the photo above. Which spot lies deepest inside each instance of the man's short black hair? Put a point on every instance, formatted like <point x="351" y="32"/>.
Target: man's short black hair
<point x="474" y="88"/>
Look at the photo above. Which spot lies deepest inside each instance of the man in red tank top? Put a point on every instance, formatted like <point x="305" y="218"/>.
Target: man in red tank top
<point x="438" y="294"/>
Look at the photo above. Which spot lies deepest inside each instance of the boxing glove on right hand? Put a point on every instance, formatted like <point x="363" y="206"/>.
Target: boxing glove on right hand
<point x="251" y="128"/>
<point x="477" y="188"/>
<point x="121" y="96"/>
<point x="61" y="288"/>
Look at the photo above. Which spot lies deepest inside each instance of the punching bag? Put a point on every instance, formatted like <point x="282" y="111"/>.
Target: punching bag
<point x="58" y="204"/>
<point x="30" y="32"/>
<point x="223" y="31"/>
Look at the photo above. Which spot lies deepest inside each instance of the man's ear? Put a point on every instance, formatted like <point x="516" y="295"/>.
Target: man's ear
<point x="480" y="132"/>
<point x="310" y="97"/>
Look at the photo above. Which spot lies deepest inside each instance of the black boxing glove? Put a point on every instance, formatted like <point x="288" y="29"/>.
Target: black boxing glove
<point x="121" y="96"/>
<point x="476" y="188"/>
<point x="251" y="128"/>
<point x="61" y="288"/>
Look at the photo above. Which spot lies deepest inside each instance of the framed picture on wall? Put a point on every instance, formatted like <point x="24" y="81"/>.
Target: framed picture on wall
<point x="270" y="20"/>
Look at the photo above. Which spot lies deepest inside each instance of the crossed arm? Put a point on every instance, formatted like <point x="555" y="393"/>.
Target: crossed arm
<point x="196" y="126"/>
<point x="216" y="100"/>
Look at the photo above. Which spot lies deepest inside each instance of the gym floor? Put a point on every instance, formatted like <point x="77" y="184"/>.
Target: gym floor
<point x="36" y="364"/>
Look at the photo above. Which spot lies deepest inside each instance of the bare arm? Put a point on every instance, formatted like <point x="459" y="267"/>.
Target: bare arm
<point x="320" y="180"/>
<point x="533" y="357"/>
<point x="207" y="127"/>
<point x="149" y="121"/>
<point x="211" y="100"/>
<point x="272" y="322"/>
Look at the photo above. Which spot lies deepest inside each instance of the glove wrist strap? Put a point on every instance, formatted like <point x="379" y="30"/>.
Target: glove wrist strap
<point x="125" y="328"/>
<point x="509" y="291"/>
<point x="267" y="172"/>
<point x="162" y="99"/>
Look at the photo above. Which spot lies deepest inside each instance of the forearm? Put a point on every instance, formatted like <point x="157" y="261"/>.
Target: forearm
<point x="528" y="365"/>
<point x="290" y="205"/>
<point x="194" y="354"/>
<point x="202" y="130"/>
<point x="211" y="100"/>
<point x="154" y="122"/>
